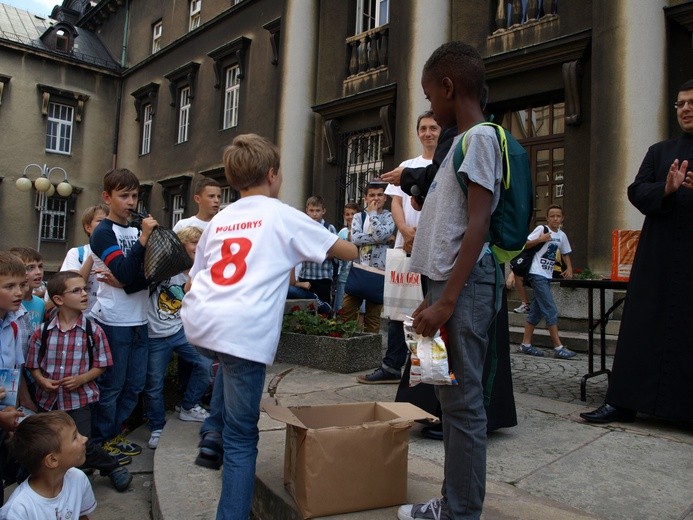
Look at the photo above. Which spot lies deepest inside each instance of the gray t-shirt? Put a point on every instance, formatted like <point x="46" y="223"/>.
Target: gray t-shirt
<point x="444" y="216"/>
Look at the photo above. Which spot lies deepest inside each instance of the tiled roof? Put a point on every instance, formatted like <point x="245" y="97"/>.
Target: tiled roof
<point x="25" y="28"/>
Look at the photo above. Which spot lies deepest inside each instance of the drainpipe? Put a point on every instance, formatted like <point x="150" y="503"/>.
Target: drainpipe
<point x="119" y="99"/>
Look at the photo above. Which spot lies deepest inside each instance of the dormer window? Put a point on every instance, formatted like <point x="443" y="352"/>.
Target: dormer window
<point x="62" y="41"/>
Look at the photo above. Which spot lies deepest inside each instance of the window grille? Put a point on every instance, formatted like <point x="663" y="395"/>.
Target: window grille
<point x="228" y="195"/>
<point x="59" y="128"/>
<point x="364" y="162"/>
<point x="178" y="209"/>
<point x="52" y="217"/>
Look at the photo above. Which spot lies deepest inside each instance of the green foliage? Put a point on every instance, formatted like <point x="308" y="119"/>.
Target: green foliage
<point x="585" y="274"/>
<point x="310" y="322"/>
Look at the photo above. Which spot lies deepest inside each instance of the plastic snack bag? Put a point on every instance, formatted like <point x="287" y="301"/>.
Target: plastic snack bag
<point x="429" y="358"/>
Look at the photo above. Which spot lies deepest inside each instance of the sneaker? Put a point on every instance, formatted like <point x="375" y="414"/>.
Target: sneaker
<point x="125" y="446"/>
<point x="563" y="353"/>
<point x="434" y="509"/>
<point x="211" y="454"/>
<point x="177" y="407"/>
<point x="531" y="350"/>
<point x="154" y="439"/>
<point x="110" y="448"/>
<point x="120" y="478"/>
<point x="379" y="377"/>
<point x="522" y="309"/>
<point x="195" y="414"/>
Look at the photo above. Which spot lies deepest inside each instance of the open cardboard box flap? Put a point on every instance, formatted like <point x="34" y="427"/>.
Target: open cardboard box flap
<point x="344" y="414"/>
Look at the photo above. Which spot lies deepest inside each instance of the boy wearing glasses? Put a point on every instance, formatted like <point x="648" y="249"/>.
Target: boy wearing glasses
<point x="65" y="357"/>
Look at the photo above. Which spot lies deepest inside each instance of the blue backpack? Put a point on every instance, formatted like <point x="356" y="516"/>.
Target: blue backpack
<point x="510" y="220"/>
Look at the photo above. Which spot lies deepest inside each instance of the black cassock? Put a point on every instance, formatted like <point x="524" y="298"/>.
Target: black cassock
<point x="653" y="364"/>
<point x="500" y="411"/>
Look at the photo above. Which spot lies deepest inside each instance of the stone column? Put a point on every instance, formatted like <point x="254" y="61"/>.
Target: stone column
<point x="430" y="27"/>
<point x="295" y="125"/>
<point x="628" y="113"/>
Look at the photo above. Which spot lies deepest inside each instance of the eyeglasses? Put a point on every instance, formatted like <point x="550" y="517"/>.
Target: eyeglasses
<point x="683" y="103"/>
<point x="76" y="290"/>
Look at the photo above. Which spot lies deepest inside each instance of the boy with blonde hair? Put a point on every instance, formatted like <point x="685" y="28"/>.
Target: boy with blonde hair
<point x="49" y="446"/>
<point x="239" y="282"/>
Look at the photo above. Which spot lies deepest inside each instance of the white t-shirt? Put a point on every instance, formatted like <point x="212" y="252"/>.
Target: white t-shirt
<point x="545" y="258"/>
<point x="72" y="263"/>
<point x="241" y="275"/>
<point x="190" y="221"/>
<point x="411" y="216"/>
<point x="75" y="499"/>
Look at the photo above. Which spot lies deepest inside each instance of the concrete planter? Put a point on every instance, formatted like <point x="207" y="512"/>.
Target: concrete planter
<point x="343" y="355"/>
<point x="572" y="303"/>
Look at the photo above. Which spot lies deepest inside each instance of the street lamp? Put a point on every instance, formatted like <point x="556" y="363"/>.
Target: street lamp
<point x="43" y="183"/>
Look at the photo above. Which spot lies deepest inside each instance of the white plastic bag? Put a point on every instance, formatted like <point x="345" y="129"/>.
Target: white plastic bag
<point x="402" y="293"/>
<point x="429" y="358"/>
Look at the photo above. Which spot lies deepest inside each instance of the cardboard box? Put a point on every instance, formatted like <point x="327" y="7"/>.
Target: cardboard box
<point x="346" y="457"/>
<point x="624" y="242"/>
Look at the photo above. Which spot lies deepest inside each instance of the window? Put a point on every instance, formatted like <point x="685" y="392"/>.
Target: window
<point x="59" y="128"/>
<point x="145" y="108"/>
<point x="183" y="114"/>
<point x="157" y="31"/>
<point x="364" y="163"/>
<point x="371" y="14"/>
<point x="228" y="195"/>
<point x="62" y="41"/>
<point x="178" y="209"/>
<point x="195" y="14"/>
<point x="146" y="129"/>
<point x="231" y="91"/>
<point x="229" y="70"/>
<point x="52" y="218"/>
<point x="540" y="129"/>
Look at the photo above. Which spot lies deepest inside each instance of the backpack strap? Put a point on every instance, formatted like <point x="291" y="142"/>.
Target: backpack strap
<point x="461" y="150"/>
<point x="44" y="343"/>
<point x="15" y="329"/>
<point x="80" y="254"/>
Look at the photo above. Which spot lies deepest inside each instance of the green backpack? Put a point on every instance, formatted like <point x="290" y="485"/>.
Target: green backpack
<point x="510" y="220"/>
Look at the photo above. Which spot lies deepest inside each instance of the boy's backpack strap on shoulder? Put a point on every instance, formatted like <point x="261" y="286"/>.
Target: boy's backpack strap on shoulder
<point x="44" y="342"/>
<point x="90" y="342"/>
<point x="15" y="329"/>
<point x="80" y="254"/>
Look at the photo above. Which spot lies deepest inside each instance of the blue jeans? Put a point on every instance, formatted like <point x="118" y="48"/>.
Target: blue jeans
<point x="215" y="421"/>
<point x="243" y="383"/>
<point x="160" y="353"/>
<point x="396" y="353"/>
<point x="463" y="413"/>
<point x="338" y="295"/>
<point x="121" y="383"/>
<point x="542" y="304"/>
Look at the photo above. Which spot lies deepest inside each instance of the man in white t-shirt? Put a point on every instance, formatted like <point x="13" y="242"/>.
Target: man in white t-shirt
<point x="406" y="219"/>
<point x="208" y="198"/>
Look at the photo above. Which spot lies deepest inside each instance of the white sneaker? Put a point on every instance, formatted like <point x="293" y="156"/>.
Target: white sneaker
<point x="195" y="414"/>
<point x="522" y="309"/>
<point x="154" y="439"/>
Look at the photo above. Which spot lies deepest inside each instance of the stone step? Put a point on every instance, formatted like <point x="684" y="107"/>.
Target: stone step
<point x="577" y="341"/>
<point x="566" y="324"/>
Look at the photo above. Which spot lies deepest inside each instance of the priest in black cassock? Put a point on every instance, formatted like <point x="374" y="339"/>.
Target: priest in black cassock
<point x="653" y="366"/>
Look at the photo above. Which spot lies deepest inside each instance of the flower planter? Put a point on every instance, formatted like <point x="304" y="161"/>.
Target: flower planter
<point x="343" y="355"/>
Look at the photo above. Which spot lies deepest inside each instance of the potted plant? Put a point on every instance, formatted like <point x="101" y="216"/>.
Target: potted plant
<point x="328" y="343"/>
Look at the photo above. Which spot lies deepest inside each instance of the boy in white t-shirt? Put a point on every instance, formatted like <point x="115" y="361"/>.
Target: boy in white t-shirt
<point x="208" y="198"/>
<point x="49" y="446"/>
<point x="540" y="273"/>
<point x="79" y="258"/>
<point x="236" y="299"/>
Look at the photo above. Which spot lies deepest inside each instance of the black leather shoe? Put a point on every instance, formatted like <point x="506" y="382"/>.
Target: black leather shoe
<point x="434" y="432"/>
<point x="607" y="413"/>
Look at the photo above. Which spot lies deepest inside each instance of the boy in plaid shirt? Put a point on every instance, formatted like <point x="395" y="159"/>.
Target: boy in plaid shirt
<point x="75" y="352"/>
